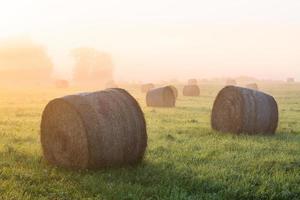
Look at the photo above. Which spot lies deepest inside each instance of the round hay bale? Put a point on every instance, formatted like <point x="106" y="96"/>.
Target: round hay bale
<point x="290" y="80"/>
<point x="192" y="81"/>
<point x="146" y="87"/>
<point x="161" y="97"/>
<point x="94" y="130"/>
<point x="175" y="91"/>
<point x="231" y="82"/>
<point x="252" y="86"/>
<point x="191" y="90"/>
<point x="241" y="110"/>
<point x="61" y="84"/>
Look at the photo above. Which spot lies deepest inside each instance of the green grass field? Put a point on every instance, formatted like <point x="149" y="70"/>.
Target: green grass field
<point x="185" y="159"/>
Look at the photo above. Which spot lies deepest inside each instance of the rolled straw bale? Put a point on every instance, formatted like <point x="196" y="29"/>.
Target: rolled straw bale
<point x="61" y="84"/>
<point x="146" y="87"/>
<point x="191" y="90"/>
<point x="192" y="81"/>
<point x="252" y="86"/>
<point x="231" y="82"/>
<point x="241" y="110"/>
<point x="290" y="80"/>
<point x="161" y="97"/>
<point x="94" y="130"/>
<point x="175" y="91"/>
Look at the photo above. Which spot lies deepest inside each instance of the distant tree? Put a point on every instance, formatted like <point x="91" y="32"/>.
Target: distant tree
<point x="92" y="66"/>
<point x="23" y="60"/>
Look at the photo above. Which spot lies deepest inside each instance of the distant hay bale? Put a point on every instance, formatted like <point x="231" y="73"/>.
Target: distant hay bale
<point x="161" y="97"/>
<point x="61" y="84"/>
<point x="192" y="82"/>
<point x="290" y="80"/>
<point x="231" y="82"/>
<point x="252" y="86"/>
<point x="175" y="91"/>
<point x="111" y="84"/>
<point x="191" y="90"/>
<point x="94" y="130"/>
<point x="241" y="110"/>
<point x="146" y="87"/>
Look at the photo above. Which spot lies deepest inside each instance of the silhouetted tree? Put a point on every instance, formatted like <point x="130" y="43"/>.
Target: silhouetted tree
<point x="92" y="66"/>
<point x="23" y="60"/>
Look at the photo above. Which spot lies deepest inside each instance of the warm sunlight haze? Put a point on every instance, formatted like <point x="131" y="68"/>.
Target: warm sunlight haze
<point x="150" y="100"/>
<point x="165" y="39"/>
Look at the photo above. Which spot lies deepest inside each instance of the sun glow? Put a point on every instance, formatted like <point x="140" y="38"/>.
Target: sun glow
<point x="176" y="38"/>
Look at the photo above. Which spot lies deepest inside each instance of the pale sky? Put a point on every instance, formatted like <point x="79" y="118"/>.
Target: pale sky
<point x="154" y="40"/>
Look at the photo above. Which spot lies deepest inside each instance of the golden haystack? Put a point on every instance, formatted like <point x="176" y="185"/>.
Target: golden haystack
<point x="161" y="97"/>
<point x="175" y="91"/>
<point x="241" y="110"/>
<point x="94" y="130"/>
<point x="191" y="90"/>
<point x="290" y="80"/>
<point x="192" y="81"/>
<point x="146" y="87"/>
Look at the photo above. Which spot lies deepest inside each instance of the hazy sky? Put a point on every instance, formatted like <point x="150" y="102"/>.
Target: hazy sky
<point x="166" y="39"/>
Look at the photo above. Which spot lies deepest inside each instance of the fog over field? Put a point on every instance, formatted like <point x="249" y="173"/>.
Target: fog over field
<point x="150" y="99"/>
<point x="165" y="40"/>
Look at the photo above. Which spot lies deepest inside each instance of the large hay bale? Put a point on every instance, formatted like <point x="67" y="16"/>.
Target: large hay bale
<point x="290" y="80"/>
<point x="231" y="82"/>
<point x="252" y="86"/>
<point x="61" y="84"/>
<point x="175" y="91"/>
<point x="161" y="97"/>
<point x="94" y="130"/>
<point x="192" y="81"/>
<point x="146" y="87"/>
<point x="241" y="110"/>
<point x="191" y="90"/>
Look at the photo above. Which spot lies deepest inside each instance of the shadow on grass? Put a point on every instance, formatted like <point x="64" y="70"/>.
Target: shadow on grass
<point x="162" y="180"/>
<point x="148" y="181"/>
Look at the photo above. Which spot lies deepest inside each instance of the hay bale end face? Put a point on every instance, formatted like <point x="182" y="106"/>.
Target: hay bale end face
<point x="192" y="81"/>
<point x="191" y="90"/>
<point x="252" y="86"/>
<point x="161" y="97"/>
<point x="290" y="80"/>
<point x="146" y="87"/>
<point x="241" y="110"/>
<point x="175" y="91"/>
<point x="94" y="130"/>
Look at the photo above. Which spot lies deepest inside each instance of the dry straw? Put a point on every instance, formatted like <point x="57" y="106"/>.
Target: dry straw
<point x="241" y="110"/>
<point x="175" y="91"/>
<point x="191" y="90"/>
<point x="146" y="87"/>
<point x="94" y="130"/>
<point x="290" y="80"/>
<point x="161" y="97"/>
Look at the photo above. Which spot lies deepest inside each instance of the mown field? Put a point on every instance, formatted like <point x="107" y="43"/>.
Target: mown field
<point x="185" y="159"/>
